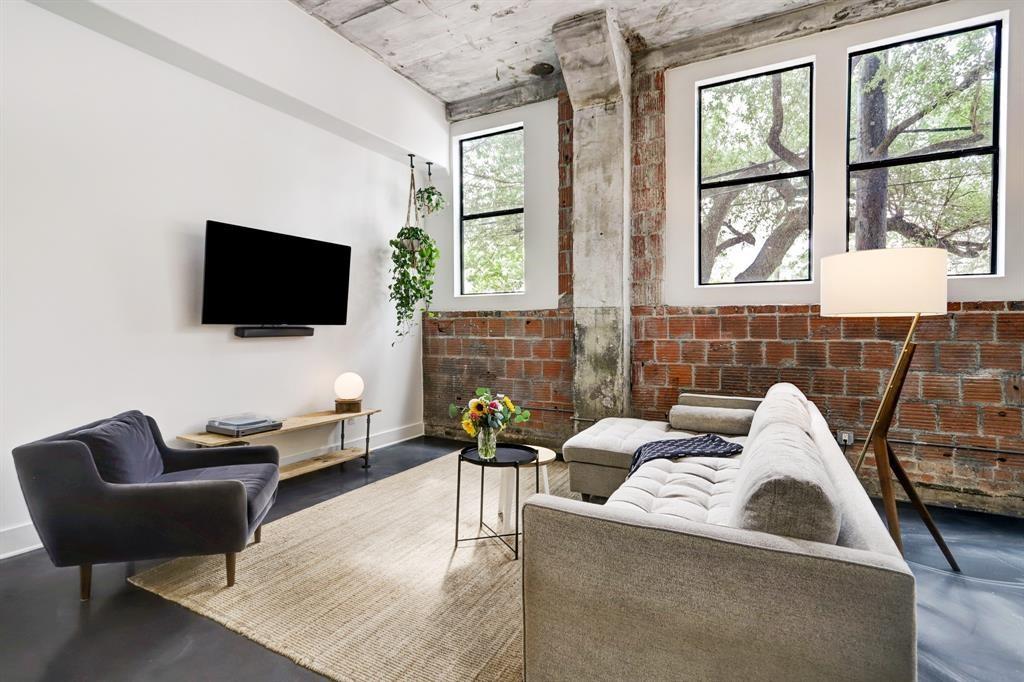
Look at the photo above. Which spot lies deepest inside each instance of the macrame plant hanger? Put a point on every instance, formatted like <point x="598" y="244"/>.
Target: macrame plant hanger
<point x="411" y="215"/>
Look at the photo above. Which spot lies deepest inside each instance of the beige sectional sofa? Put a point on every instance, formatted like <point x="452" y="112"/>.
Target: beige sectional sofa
<point x="599" y="456"/>
<point x="772" y="565"/>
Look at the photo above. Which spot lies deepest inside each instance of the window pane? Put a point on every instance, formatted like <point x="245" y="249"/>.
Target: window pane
<point x="492" y="173"/>
<point x="493" y="255"/>
<point x="755" y="126"/>
<point x="755" y="233"/>
<point x="945" y="203"/>
<point x="932" y="95"/>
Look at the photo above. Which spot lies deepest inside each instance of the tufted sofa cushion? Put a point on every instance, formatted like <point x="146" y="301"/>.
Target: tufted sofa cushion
<point x="612" y="441"/>
<point x="692" y="488"/>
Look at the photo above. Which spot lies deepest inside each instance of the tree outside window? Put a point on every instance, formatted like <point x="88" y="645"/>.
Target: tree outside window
<point x="755" y="178"/>
<point x="923" y="146"/>
<point x="491" y="213"/>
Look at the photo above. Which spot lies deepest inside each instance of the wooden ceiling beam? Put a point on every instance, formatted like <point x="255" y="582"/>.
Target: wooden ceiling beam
<point x="773" y="29"/>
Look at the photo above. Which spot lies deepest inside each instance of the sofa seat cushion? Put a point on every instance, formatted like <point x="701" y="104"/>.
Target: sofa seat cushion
<point x="612" y="441"/>
<point x="260" y="481"/>
<point x="692" y="488"/>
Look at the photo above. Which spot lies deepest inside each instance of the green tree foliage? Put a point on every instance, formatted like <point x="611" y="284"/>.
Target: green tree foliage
<point x="752" y="129"/>
<point x="493" y="248"/>
<point x="923" y="99"/>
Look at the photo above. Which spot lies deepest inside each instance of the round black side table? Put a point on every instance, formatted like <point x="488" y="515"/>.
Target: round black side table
<point x="508" y="455"/>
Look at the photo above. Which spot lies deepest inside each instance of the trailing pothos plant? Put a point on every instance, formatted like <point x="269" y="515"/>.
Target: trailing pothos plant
<point x="429" y="200"/>
<point x="414" y="257"/>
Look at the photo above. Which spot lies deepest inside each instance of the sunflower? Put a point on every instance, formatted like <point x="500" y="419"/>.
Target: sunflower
<point x="467" y="425"/>
<point x="477" y="405"/>
<point x="509" y="405"/>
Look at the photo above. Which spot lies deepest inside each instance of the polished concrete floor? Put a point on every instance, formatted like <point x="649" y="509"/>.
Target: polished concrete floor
<point x="970" y="626"/>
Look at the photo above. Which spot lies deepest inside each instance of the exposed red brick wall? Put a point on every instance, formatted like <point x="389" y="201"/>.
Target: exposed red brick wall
<point x="648" y="186"/>
<point x="564" y="201"/>
<point x="526" y="355"/>
<point x="964" y="388"/>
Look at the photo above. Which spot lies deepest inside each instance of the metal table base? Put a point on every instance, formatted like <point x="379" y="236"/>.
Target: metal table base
<point x="491" y="534"/>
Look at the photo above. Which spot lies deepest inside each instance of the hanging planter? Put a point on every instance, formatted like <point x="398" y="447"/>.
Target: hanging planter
<point x="429" y="199"/>
<point x="413" y="262"/>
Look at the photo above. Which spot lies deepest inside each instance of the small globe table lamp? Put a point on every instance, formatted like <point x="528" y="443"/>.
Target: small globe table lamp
<point x="348" y="392"/>
<point x="889" y="283"/>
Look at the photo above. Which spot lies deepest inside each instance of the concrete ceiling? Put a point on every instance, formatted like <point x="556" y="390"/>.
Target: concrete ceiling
<point x="460" y="49"/>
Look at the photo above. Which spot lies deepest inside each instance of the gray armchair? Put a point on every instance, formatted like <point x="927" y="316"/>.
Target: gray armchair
<point x="113" y="491"/>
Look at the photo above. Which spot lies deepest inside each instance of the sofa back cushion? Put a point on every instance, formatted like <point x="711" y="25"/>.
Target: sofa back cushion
<point x="728" y="421"/>
<point x="782" y="403"/>
<point x="783" y="487"/>
<point x="123" y="448"/>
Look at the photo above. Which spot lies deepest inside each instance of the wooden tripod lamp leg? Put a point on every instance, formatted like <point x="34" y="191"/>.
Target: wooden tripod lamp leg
<point x="915" y="499"/>
<point x="85" y="582"/>
<point x="886" y="461"/>
<point x="885" y="483"/>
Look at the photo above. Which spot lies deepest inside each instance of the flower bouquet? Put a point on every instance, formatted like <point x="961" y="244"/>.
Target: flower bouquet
<point x="485" y="416"/>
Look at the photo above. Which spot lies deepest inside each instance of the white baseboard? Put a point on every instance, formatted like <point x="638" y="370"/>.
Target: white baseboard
<point x="18" y="540"/>
<point x="378" y="440"/>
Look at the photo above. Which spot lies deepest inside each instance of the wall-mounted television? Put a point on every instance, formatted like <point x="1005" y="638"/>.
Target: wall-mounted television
<point x="273" y="280"/>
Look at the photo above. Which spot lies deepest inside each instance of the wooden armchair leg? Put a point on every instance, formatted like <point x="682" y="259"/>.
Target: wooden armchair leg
<point x="229" y="562"/>
<point x="85" y="582"/>
<point x="256" y="535"/>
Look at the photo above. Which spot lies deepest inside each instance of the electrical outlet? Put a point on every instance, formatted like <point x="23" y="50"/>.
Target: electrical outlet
<point x="844" y="437"/>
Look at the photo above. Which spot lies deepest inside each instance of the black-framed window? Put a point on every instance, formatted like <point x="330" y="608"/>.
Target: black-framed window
<point x="491" y="201"/>
<point x="755" y="177"/>
<point x="923" y="146"/>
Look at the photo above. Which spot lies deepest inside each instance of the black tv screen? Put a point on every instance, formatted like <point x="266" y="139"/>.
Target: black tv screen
<point x="265" y="278"/>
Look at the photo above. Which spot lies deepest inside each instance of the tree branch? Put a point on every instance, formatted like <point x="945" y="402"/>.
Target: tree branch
<point x="775" y="247"/>
<point x="775" y="132"/>
<point x="738" y="238"/>
<point x="921" y="235"/>
<point x="944" y="146"/>
<point x="969" y="79"/>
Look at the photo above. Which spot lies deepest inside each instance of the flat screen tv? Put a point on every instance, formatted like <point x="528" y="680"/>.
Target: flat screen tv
<point x="256" y="277"/>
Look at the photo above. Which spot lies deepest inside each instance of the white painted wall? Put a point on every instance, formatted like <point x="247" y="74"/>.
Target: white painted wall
<point x="278" y="44"/>
<point x="112" y="160"/>
<point x="540" y="126"/>
<point x="829" y="52"/>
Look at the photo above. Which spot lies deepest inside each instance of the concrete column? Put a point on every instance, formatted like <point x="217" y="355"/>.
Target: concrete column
<point x="596" y="66"/>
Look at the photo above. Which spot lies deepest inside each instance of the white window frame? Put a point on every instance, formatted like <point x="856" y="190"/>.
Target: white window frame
<point x="829" y="52"/>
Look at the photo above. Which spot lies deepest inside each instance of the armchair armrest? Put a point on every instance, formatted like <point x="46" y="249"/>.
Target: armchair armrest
<point x="153" y="520"/>
<point x="616" y="594"/>
<point x="179" y="459"/>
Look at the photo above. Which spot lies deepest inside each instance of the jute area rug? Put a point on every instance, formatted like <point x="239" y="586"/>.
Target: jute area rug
<point x="366" y="586"/>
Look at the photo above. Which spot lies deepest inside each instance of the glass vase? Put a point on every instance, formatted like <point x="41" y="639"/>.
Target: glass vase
<point x="487" y="443"/>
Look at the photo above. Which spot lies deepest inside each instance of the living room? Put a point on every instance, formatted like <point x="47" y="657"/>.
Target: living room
<point x="512" y="339"/>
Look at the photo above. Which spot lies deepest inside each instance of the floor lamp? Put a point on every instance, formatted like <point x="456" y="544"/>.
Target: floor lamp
<point x="889" y="283"/>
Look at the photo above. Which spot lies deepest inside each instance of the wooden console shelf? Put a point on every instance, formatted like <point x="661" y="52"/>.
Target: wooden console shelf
<point x="299" y="423"/>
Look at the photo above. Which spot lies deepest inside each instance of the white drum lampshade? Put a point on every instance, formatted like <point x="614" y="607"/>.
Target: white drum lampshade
<point x="884" y="283"/>
<point x="348" y="391"/>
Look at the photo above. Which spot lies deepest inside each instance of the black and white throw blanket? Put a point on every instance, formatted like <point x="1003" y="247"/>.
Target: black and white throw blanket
<point x="708" y="445"/>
